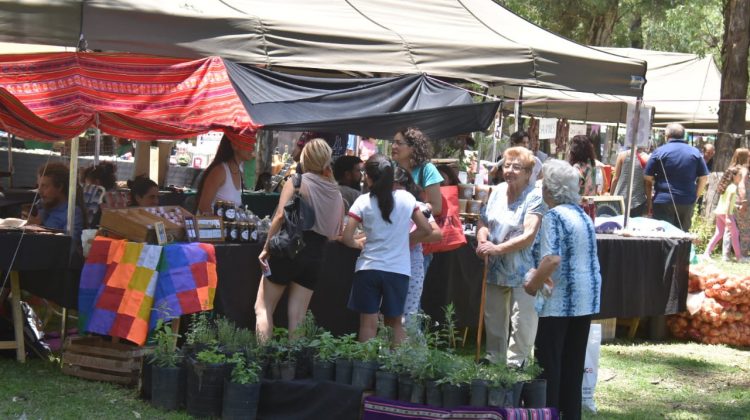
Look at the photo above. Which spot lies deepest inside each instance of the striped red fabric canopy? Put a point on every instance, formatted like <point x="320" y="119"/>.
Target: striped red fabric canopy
<point x="56" y="96"/>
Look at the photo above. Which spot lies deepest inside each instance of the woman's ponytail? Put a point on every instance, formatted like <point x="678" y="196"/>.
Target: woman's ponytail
<point x="380" y="171"/>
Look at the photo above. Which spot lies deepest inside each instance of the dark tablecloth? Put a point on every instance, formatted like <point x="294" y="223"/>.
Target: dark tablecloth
<point x="306" y="399"/>
<point x="45" y="265"/>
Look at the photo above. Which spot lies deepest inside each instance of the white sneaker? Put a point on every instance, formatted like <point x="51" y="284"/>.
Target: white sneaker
<point x="744" y="260"/>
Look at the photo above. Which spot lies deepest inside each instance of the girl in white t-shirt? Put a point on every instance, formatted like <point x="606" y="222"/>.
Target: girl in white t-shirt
<point x="381" y="278"/>
<point x="402" y="180"/>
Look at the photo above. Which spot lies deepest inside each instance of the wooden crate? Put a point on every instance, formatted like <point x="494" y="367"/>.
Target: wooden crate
<point x="100" y="359"/>
<point x="137" y="223"/>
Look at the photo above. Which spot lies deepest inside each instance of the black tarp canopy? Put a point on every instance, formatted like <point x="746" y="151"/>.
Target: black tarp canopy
<point x="376" y="107"/>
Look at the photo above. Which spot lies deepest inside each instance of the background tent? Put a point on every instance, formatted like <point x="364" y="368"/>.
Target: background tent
<point x="377" y="107"/>
<point x="683" y="88"/>
<point x="475" y="40"/>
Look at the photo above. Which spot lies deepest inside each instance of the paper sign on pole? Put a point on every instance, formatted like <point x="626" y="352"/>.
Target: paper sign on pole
<point x="644" y="125"/>
<point x="576" y="129"/>
<point x="547" y="128"/>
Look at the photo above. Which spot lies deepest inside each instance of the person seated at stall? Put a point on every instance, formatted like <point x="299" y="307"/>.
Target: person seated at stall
<point x="449" y="175"/>
<point x="348" y="173"/>
<point x="143" y="192"/>
<point x="102" y="175"/>
<point x="223" y="179"/>
<point x="263" y="184"/>
<point x="52" y="208"/>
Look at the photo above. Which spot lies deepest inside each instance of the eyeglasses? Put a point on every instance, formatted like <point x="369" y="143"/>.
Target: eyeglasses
<point x="513" y="166"/>
<point x="400" y="143"/>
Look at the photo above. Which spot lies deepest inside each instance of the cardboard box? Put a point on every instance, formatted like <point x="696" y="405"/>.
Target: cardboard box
<point x="137" y="223"/>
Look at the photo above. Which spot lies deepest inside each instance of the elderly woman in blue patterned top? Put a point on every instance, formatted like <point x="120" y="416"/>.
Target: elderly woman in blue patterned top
<point x="567" y="285"/>
<point x="507" y="229"/>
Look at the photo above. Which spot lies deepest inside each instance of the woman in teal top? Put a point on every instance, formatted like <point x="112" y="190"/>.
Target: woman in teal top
<point x="411" y="149"/>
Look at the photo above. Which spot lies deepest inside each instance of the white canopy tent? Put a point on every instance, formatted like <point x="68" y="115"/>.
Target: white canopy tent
<point x="683" y="88"/>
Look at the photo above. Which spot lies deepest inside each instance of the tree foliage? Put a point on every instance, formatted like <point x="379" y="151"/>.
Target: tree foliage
<point x="691" y="26"/>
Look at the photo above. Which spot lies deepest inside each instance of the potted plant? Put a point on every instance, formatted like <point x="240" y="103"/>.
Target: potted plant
<point x="227" y="336"/>
<point x="345" y="348"/>
<point x="323" y="364"/>
<point x="455" y="384"/>
<point x="500" y="388"/>
<point x="288" y="362"/>
<point x="534" y="389"/>
<point x="206" y="383"/>
<point x="241" y="389"/>
<point x="386" y="377"/>
<point x="306" y="336"/>
<point x="437" y="363"/>
<point x="201" y="334"/>
<point x="167" y="372"/>
<point x="365" y="363"/>
<point x="481" y="377"/>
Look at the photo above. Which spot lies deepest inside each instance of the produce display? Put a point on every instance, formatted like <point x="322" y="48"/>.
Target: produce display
<point x="719" y="308"/>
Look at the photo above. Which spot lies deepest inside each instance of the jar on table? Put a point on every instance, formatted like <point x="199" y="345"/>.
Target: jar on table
<point x="244" y="232"/>
<point x="228" y="228"/>
<point x="230" y="213"/>
<point x="219" y="208"/>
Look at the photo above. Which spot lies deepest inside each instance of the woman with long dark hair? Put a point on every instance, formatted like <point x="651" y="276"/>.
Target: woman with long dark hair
<point x="222" y="180"/>
<point x="143" y="192"/>
<point x="381" y="278"/>
<point x="583" y="158"/>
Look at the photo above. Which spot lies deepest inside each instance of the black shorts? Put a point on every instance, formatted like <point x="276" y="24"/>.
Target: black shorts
<point x="304" y="268"/>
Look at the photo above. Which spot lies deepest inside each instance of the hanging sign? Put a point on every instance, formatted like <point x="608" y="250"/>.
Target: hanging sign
<point x="547" y="128"/>
<point x="644" y="126"/>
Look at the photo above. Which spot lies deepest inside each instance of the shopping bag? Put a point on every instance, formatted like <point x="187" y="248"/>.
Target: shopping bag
<point x="449" y="223"/>
<point x="591" y="367"/>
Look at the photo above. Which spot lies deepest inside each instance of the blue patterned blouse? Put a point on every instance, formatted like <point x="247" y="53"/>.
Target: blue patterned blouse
<point x="568" y="233"/>
<point x="504" y="221"/>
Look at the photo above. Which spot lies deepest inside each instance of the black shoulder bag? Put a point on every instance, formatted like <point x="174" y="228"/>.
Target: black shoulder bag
<point x="298" y="216"/>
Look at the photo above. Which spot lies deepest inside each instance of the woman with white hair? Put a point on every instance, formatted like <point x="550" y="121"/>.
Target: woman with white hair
<point x="570" y="282"/>
<point x="507" y="229"/>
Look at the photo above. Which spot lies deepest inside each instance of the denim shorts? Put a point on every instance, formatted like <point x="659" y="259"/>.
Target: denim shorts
<point x="376" y="291"/>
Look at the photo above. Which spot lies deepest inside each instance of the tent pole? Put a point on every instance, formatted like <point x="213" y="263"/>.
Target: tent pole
<point x="633" y="144"/>
<point x="11" y="139"/>
<point x="518" y="109"/>
<point x="72" y="185"/>
<point x="97" y="145"/>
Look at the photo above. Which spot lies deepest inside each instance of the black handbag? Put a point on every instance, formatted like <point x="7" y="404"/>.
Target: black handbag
<point x="298" y="216"/>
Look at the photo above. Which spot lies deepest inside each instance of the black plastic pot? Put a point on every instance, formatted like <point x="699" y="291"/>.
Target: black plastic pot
<point x="323" y="371"/>
<point x="405" y="385"/>
<point x="304" y="363"/>
<point x="287" y="370"/>
<point x="205" y="388"/>
<point x="433" y="394"/>
<point x="363" y="374"/>
<point x="274" y="371"/>
<point x="496" y="396"/>
<point x="386" y="384"/>
<point x="417" y="392"/>
<point x="534" y="393"/>
<point x="478" y="393"/>
<point x="515" y="401"/>
<point x="167" y="387"/>
<point x="344" y="371"/>
<point x="146" y="381"/>
<point x="240" y="401"/>
<point x="455" y="395"/>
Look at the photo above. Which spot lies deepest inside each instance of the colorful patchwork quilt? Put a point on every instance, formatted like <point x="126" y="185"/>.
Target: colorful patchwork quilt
<point x="126" y="286"/>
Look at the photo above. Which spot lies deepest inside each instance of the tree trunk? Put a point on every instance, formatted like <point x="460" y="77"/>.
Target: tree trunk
<point x="602" y="25"/>
<point x="734" y="79"/>
<point x="636" y="31"/>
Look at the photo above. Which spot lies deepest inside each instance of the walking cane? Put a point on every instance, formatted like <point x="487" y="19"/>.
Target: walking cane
<point x="481" y="310"/>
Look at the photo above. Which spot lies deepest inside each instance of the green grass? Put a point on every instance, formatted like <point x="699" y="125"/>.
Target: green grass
<point x="38" y="390"/>
<point x="636" y="381"/>
<point x="673" y="381"/>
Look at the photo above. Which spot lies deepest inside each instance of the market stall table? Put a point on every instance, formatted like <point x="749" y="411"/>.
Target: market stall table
<point x="33" y="260"/>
